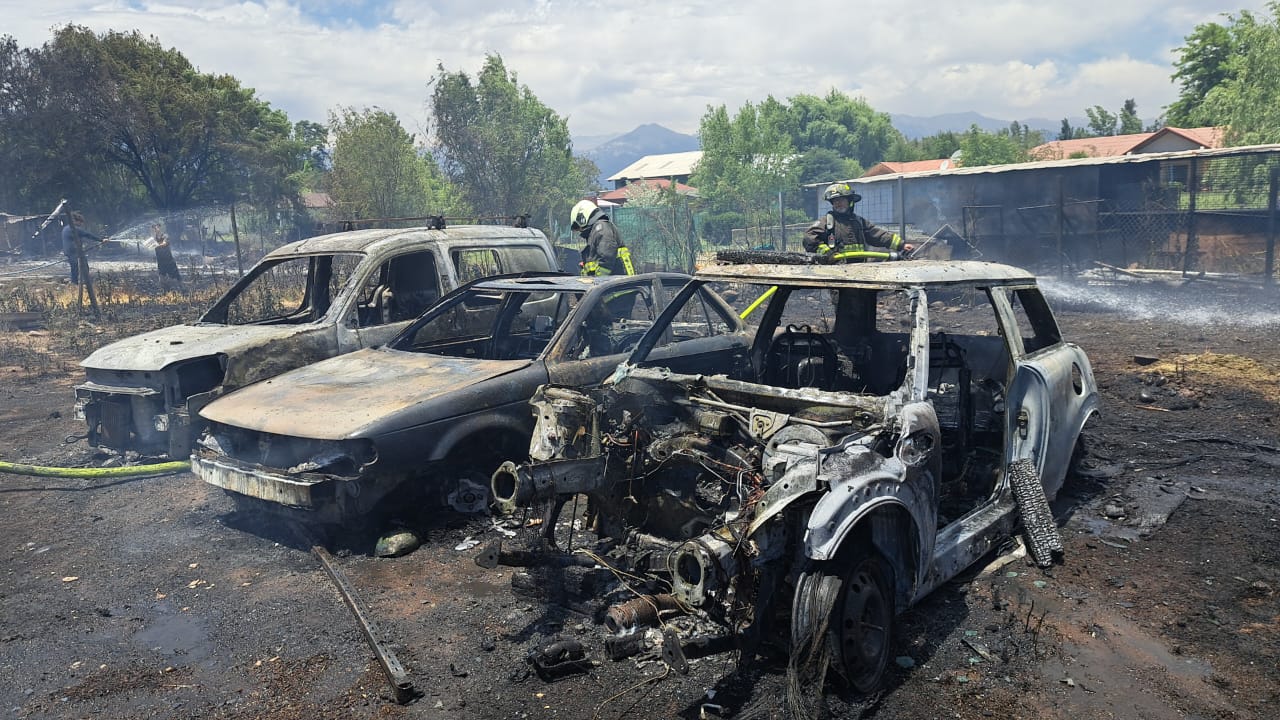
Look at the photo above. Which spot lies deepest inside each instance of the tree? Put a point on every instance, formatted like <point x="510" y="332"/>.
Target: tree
<point x="377" y="172"/>
<point x="848" y="126"/>
<point x="819" y="164"/>
<point x="85" y="107"/>
<point x="1247" y="100"/>
<point x="506" y="151"/>
<point x="1101" y="122"/>
<point x="1130" y="123"/>
<point x="747" y="159"/>
<point x="1066" y="132"/>
<point x="978" y="147"/>
<point x="1203" y="64"/>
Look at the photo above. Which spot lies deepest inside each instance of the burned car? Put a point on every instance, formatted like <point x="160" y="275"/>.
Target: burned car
<point x="447" y="400"/>
<point x="304" y="302"/>
<point x="894" y="422"/>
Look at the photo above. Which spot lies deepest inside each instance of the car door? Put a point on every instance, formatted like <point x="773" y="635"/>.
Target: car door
<point x="602" y="330"/>
<point x="703" y="335"/>
<point x="388" y="298"/>
<point x="1051" y="389"/>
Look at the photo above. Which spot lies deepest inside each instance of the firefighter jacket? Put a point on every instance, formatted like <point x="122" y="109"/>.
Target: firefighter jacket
<point x="844" y="232"/>
<point x="600" y="256"/>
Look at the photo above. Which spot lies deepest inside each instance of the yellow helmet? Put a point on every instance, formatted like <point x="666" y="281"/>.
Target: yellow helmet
<point x="839" y="190"/>
<point x="581" y="214"/>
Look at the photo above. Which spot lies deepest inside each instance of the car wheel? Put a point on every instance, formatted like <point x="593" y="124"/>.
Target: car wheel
<point x="846" y="605"/>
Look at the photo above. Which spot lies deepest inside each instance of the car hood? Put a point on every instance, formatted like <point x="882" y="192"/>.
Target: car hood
<point x="344" y="396"/>
<point x="158" y="349"/>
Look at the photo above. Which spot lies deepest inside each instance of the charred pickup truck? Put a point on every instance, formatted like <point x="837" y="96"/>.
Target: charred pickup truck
<point x="304" y="302"/>
<point x="895" y="422"/>
<point x="433" y="412"/>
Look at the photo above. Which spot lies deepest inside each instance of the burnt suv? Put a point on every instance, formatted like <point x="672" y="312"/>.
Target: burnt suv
<point x="304" y="302"/>
<point x="895" y="422"/>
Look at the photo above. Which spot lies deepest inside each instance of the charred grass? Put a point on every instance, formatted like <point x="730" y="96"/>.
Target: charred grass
<point x="129" y="302"/>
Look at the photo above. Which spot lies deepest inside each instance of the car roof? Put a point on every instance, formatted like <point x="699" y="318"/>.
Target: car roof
<point x="566" y="283"/>
<point x="368" y="240"/>
<point x="873" y="275"/>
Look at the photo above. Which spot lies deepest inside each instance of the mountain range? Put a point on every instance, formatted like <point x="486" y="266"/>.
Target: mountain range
<point x="612" y="153"/>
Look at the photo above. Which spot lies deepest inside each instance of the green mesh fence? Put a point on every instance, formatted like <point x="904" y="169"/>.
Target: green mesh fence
<point x="660" y="238"/>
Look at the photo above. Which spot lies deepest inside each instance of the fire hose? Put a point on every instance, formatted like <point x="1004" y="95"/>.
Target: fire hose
<point x="106" y="472"/>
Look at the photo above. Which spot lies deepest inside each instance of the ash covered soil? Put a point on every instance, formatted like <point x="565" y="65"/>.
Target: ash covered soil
<point x="153" y="597"/>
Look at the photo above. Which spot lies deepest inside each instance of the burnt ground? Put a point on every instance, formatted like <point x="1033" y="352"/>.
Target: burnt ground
<point x="152" y="597"/>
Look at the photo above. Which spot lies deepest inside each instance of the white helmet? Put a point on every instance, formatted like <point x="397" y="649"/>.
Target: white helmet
<point x="582" y="214"/>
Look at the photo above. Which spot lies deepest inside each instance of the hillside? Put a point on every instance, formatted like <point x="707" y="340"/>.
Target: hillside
<point x="648" y="139"/>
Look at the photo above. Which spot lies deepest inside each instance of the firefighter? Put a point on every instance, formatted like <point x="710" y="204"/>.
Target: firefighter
<point x="841" y="231"/>
<point x="604" y="253"/>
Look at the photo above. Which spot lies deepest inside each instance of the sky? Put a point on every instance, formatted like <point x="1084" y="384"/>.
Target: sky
<point x="611" y="66"/>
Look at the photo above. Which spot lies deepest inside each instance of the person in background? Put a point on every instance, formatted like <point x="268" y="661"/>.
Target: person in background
<point x="165" y="264"/>
<point x="72" y="232"/>
<point x="841" y="231"/>
<point x="604" y="253"/>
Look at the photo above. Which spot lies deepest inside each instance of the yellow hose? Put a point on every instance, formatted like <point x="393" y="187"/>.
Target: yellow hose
<point x="760" y="300"/>
<point x="108" y="472"/>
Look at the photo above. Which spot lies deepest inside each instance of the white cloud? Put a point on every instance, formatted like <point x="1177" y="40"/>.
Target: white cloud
<point x="611" y="66"/>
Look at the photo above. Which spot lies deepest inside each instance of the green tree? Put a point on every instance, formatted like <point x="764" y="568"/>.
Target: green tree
<point x="377" y="171"/>
<point x="1247" y="100"/>
<point x="848" y="126"/>
<point x="1203" y="64"/>
<point x="86" y="107"/>
<point x="506" y="151"/>
<point x="978" y="147"/>
<point x="819" y="164"/>
<point x="1130" y="123"/>
<point x="1101" y="122"/>
<point x="747" y="159"/>
<point x="186" y="136"/>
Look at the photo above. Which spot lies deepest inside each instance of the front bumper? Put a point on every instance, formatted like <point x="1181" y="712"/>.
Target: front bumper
<point x="136" y="418"/>
<point x="305" y="492"/>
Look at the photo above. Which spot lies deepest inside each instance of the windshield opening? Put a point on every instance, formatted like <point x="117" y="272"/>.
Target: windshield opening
<point x="491" y="324"/>
<point x="287" y="291"/>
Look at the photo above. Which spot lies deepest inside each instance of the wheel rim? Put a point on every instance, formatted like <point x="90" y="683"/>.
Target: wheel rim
<point x="865" y="618"/>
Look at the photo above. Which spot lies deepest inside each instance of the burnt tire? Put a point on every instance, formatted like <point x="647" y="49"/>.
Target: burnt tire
<point x="842" y="616"/>
<point x="1039" y="529"/>
<point x="770" y="257"/>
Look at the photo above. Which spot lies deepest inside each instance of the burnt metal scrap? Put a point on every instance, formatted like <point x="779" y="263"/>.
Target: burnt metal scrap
<point x="853" y="463"/>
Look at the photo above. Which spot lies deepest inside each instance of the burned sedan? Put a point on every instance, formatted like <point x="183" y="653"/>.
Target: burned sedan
<point x="304" y="302"/>
<point x="896" y="421"/>
<point x="448" y="399"/>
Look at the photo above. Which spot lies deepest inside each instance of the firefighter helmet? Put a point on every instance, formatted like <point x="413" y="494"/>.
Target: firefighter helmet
<point x="582" y="215"/>
<point x="841" y="190"/>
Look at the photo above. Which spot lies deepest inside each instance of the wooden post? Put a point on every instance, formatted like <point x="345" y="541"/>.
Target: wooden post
<point x="1268" y="278"/>
<point x="235" y="234"/>
<point x="1191" y="256"/>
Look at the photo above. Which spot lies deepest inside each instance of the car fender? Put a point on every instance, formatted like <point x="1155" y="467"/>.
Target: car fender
<point x="513" y="418"/>
<point x="852" y="497"/>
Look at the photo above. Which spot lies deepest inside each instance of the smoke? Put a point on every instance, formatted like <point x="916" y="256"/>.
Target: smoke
<point x="1197" y="303"/>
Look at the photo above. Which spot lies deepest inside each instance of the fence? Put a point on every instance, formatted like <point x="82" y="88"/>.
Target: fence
<point x="1196" y="211"/>
<point x="660" y="238"/>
